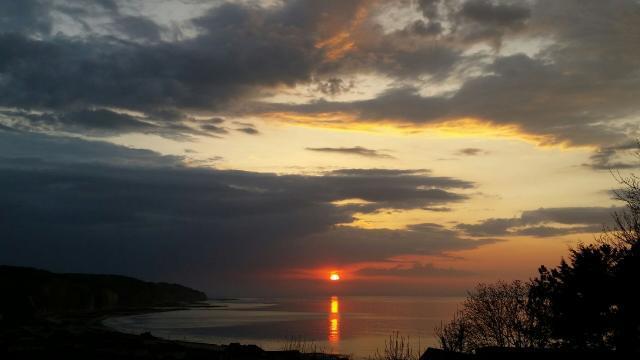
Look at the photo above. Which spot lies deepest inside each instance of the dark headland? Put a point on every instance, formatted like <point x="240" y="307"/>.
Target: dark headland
<point x="45" y="315"/>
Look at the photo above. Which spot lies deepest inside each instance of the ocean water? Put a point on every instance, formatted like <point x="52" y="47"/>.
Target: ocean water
<point x="357" y="326"/>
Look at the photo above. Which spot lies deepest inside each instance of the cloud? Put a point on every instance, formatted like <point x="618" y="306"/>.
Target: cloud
<point x="566" y="89"/>
<point x="545" y="222"/>
<point x="31" y="150"/>
<point x="334" y="86"/>
<point x="248" y="130"/>
<point x="28" y="16"/>
<point x="346" y="244"/>
<point x="104" y="123"/>
<point x="492" y="13"/>
<point x="415" y="270"/>
<point x="87" y="206"/>
<point x="437" y="209"/>
<point x="500" y="99"/>
<point x="118" y="59"/>
<point x="59" y="73"/>
<point x="471" y="152"/>
<point x="138" y="27"/>
<point x="356" y="150"/>
<point x="613" y="157"/>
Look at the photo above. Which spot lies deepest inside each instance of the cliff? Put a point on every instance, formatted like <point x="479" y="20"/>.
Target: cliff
<point x="28" y="292"/>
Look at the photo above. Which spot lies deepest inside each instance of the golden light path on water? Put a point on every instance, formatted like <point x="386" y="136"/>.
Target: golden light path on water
<point x="334" y="321"/>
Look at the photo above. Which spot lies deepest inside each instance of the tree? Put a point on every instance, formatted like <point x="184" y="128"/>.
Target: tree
<point x="453" y="336"/>
<point x="492" y="315"/>
<point x="591" y="300"/>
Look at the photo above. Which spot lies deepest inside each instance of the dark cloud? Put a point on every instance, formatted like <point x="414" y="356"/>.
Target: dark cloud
<point x="612" y="157"/>
<point x="470" y="152"/>
<point x="62" y="72"/>
<point x="25" y="16"/>
<point x="238" y="49"/>
<point x="137" y="27"/>
<point x="419" y="239"/>
<point x="356" y="150"/>
<point x="75" y="205"/>
<point x="213" y="125"/>
<point x="572" y="90"/>
<point x="430" y="8"/>
<point x="248" y="130"/>
<point x="495" y="13"/>
<point x="437" y="209"/>
<point x="563" y="221"/>
<point x="549" y="231"/>
<point x="386" y="172"/>
<point x="567" y="114"/>
<point x="334" y="86"/>
<point x="421" y="28"/>
<point x="490" y="227"/>
<point x="415" y="270"/>
<point x="34" y="149"/>
<point x="397" y="56"/>
<point x="570" y="215"/>
<point x="103" y="122"/>
<point x="477" y="21"/>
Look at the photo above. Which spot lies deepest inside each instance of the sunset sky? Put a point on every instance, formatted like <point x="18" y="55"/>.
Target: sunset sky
<point x="254" y="147"/>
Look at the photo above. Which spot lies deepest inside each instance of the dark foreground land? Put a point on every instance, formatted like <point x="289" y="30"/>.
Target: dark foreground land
<point x="49" y="316"/>
<point x="44" y="315"/>
<point x="496" y="353"/>
<point x="87" y="339"/>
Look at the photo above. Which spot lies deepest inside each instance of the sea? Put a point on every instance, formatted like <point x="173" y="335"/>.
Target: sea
<point x="349" y="325"/>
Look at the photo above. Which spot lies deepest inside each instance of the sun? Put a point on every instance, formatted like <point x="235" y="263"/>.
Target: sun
<point x="334" y="276"/>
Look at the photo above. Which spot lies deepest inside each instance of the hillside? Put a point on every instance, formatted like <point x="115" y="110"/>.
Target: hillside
<point x="29" y="292"/>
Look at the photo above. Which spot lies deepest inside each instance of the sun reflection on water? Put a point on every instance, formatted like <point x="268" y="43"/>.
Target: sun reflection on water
<point x="334" y="321"/>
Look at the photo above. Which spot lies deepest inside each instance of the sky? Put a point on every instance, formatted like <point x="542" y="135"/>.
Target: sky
<point x="251" y="148"/>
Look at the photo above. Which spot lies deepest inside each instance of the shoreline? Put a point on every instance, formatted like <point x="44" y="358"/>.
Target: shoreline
<point x="85" y="336"/>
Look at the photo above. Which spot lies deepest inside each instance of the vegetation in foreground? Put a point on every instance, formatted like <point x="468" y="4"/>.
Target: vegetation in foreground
<point x="589" y="302"/>
<point x="398" y="347"/>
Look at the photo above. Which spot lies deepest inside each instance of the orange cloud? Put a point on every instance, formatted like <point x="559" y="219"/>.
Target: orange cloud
<point x="466" y="127"/>
<point x="341" y="43"/>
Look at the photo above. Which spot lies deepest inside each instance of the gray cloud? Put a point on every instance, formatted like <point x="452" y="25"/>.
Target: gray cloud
<point x="138" y="27"/>
<point x="334" y="86"/>
<point x="62" y="73"/>
<point x="418" y="239"/>
<point x="430" y="8"/>
<point x="534" y="222"/>
<point x="612" y="157"/>
<point x="103" y="123"/>
<point x="28" y="16"/>
<point x="437" y="209"/>
<point x="248" y="130"/>
<point x="416" y="270"/>
<point x="76" y="205"/>
<point x="356" y="150"/>
<point x="470" y="152"/>
<point x="495" y="13"/>
<point x="570" y="91"/>
<point x="500" y="98"/>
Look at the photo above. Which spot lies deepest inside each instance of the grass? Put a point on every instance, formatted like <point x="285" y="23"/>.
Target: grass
<point x="397" y="347"/>
<point x="302" y="345"/>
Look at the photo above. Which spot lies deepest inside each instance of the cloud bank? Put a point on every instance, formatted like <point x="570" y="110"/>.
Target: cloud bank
<point x="77" y="205"/>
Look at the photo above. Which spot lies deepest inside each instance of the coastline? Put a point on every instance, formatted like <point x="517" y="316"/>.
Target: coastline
<point x="84" y="336"/>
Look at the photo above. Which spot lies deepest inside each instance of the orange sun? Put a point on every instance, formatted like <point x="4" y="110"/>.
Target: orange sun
<point x="334" y="276"/>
